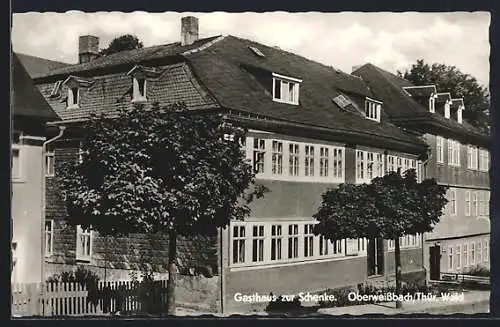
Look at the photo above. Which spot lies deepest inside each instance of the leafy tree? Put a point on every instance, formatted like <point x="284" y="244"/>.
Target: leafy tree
<point x="159" y="170"/>
<point x="460" y="85"/>
<point x="122" y="43"/>
<point x="388" y="208"/>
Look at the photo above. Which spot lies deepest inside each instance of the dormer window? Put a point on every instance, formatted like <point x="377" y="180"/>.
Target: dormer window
<point x="373" y="109"/>
<point x="75" y="85"/>
<point x="432" y="103"/>
<point x="73" y="97"/>
<point x="139" y="90"/>
<point x="341" y="101"/>
<point x="286" y="89"/>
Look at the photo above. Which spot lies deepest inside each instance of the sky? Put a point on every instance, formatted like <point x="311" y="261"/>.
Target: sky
<point x="392" y="41"/>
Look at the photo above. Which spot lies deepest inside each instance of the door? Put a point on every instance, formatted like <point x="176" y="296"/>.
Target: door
<point x="435" y="262"/>
<point x="375" y="256"/>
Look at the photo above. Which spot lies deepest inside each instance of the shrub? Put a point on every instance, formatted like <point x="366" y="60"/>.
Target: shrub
<point x="478" y="271"/>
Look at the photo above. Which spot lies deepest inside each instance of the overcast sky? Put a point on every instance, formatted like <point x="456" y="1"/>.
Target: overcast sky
<point x="390" y="40"/>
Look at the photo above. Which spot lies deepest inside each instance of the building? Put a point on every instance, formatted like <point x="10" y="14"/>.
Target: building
<point x="459" y="159"/>
<point x="30" y="112"/>
<point x="311" y="127"/>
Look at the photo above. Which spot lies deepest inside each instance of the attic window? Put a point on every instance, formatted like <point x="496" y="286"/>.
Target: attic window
<point x="139" y="89"/>
<point x="373" y="109"/>
<point x="73" y="97"/>
<point x="257" y="51"/>
<point x="341" y="101"/>
<point x="286" y="89"/>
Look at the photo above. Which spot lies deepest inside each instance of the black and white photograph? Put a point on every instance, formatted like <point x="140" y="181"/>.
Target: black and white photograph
<point x="272" y="164"/>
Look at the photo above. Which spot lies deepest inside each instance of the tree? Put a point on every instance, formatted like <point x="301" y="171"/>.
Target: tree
<point x="122" y="43"/>
<point x="460" y="85"/>
<point x="389" y="207"/>
<point x="159" y="170"/>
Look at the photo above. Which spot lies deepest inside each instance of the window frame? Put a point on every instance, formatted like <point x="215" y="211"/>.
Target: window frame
<point x="50" y="166"/>
<point x="287" y="95"/>
<point x="71" y="103"/>
<point x="371" y="161"/>
<point x="49" y="246"/>
<point x="373" y="110"/>
<point x="452" y="202"/>
<point x="79" y="246"/>
<point x="136" y="92"/>
<point x="439" y="149"/>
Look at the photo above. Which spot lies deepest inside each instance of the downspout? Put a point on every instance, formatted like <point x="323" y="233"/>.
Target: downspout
<point x="42" y="227"/>
<point x="422" y="238"/>
<point x="221" y="255"/>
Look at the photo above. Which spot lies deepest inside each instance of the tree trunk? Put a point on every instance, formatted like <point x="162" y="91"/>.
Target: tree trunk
<point x="172" y="256"/>
<point x="397" y="259"/>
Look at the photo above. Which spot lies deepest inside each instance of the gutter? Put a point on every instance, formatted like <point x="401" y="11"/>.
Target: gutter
<point x="42" y="227"/>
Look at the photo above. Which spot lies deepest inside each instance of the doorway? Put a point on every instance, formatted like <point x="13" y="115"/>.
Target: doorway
<point x="375" y="257"/>
<point x="435" y="262"/>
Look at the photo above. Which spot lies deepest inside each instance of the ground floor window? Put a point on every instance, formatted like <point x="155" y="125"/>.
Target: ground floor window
<point x="280" y="242"/>
<point x="83" y="243"/>
<point x="450" y="258"/>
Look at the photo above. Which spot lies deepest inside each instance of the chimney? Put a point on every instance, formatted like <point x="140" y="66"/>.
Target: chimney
<point x="88" y="48"/>
<point x="189" y="30"/>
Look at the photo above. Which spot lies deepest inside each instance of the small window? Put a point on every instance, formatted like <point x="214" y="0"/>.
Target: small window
<point x="293" y="241"/>
<point x="439" y="149"/>
<point x="341" y="101"/>
<point x="49" y="239"/>
<point x="258" y="243"/>
<point x="139" y="89"/>
<point x="286" y="91"/>
<point x="259" y="153"/>
<point x="257" y="51"/>
<point x="308" y="240"/>
<point x="276" y="242"/>
<point x="452" y="202"/>
<point x="49" y="164"/>
<point x="277" y="159"/>
<point x="238" y="244"/>
<point x="56" y="89"/>
<point x="372" y="110"/>
<point x="73" y="97"/>
<point x="83" y="244"/>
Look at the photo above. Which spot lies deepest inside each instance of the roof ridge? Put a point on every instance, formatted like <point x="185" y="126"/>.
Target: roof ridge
<point x="204" y="45"/>
<point x="37" y="57"/>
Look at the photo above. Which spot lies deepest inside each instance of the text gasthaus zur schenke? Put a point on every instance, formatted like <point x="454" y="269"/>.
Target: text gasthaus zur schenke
<point x="352" y="296"/>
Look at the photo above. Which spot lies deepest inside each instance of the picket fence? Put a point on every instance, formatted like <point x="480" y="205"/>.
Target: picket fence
<point x="72" y="299"/>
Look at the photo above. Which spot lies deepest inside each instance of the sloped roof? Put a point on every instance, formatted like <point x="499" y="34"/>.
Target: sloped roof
<point x="36" y="66"/>
<point x="222" y="68"/>
<point x="26" y="99"/>
<point x="128" y="57"/>
<point x="403" y="109"/>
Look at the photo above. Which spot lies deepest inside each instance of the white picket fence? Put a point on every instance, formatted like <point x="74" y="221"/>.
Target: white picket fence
<point x="72" y="299"/>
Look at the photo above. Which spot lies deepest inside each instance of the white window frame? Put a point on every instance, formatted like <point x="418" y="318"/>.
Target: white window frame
<point x="72" y="104"/>
<point x="458" y="256"/>
<point x="289" y="89"/>
<point x="473" y="253"/>
<point x="453" y="153"/>
<point x="406" y="242"/>
<point x="309" y="160"/>
<point x="136" y="93"/>
<point x="369" y="162"/>
<point x="484" y="160"/>
<point x="451" y="257"/>
<point x="468" y="203"/>
<point x="82" y="252"/>
<point x="373" y="110"/>
<point x="277" y="157"/>
<point x="334" y="250"/>
<point x="465" y="255"/>
<point x="472" y="157"/>
<point x="49" y="164"/>
<point x="479" y="252"/>
<point x="324" y="161"/>
<point x="241" y="242"/>
<point x="257" y="240"/>
<point x="391" y="163"/>
<point x="485" y="251"/>
<point x="49" y="237"/>
<point x="259" y="151"/>
<point x="475" y="202"/>
<point x="294" y="162"/>
<point x="452" y="202"/>
<point x="439" y="149"/>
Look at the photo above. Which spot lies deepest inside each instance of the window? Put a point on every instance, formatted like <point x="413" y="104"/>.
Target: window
<point x="485" y="251"/>
<point x="479" y="252"/>
<point x="293" y="241"/>
<point x="49" y="231"/>
<point x="308" y="240"/>
<point x="139" y="89"/>
<point x="16" y="163"/>
<point x="338" y="158"/>
<point x="286" y="90"/>
<point x="276" y="242"/>
<point x="277" y="164"/>
<point x="257" y="52"/>
<point x="465" y="257"/>
<point x="450" y="258"/>
<point x="452" y="205"/>
<point x="399" y="164"/>
<point x="73" y="97"/>
<point x="372" y="110"/>
<point x="474" y="203"/>
<point x="472" y="253"/>
<point x="341" y="101"/>
<point x="293" y="150"/>
<point x="453" y="153"/>
<point x="360" y="165"/>
<point x="56" y="89"/>
<point x="309" y="161"/>
<point x="369" y="165"/>
<point x="379" y="165"/>
<point x="483" y="204"/>
<point x="323" y="245"/>
<point x="432" y="104"/>
<point x="458" y="257"/>
<point x="258" y="243"/>
<point x="259" y="152"/>
<point x="467" y="203"/>
<point x="361" y="244"/>
<point x="472" y="159"/>
<point x="337" y="247"/>
<point x="238" y="244"/>
<point x="439" y="149"/>
<point x="484" y="158"/>
<point x="323" y="162"/>
<point x="83" y="243"/>
<point x="49" y="164"/>
<point x="391" y="163"/>
<point x="406" y="165"/>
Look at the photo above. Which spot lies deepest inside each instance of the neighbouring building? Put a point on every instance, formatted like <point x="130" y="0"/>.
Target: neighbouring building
<point x="459" y="158"/>
<point x="30" y="112"/>
<point x="311" y="127"/>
